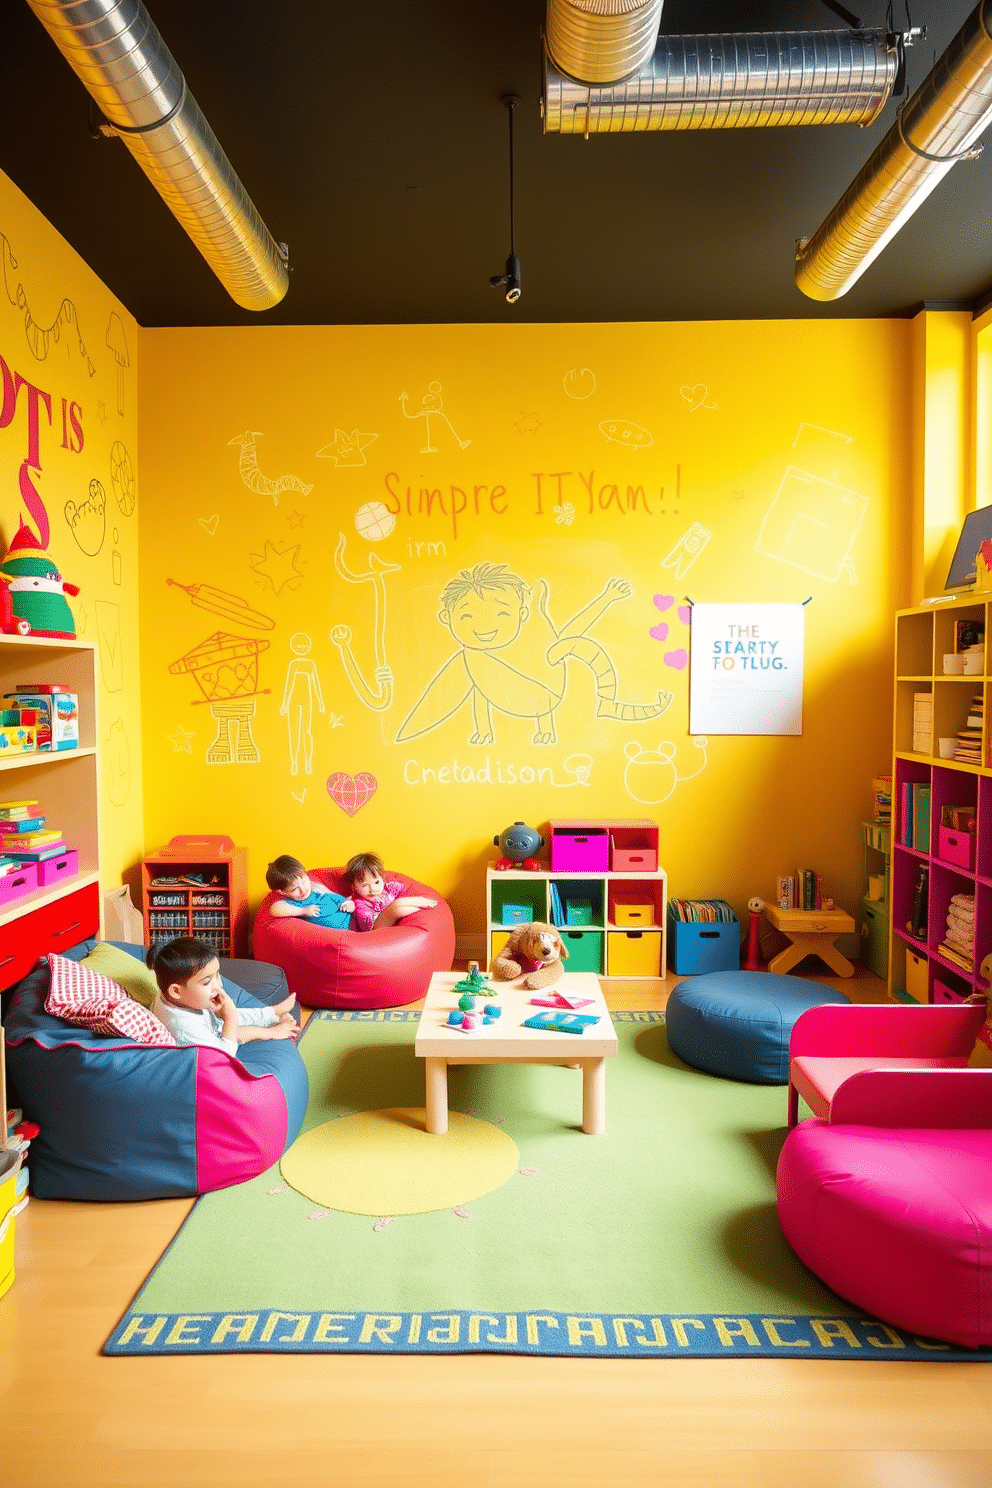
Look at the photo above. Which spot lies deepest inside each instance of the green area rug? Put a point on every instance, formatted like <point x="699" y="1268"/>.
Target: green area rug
<point x="659" y="1238"/>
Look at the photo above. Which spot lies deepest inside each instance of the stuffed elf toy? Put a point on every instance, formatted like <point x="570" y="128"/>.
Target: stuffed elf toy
<point x="33" y="591"/>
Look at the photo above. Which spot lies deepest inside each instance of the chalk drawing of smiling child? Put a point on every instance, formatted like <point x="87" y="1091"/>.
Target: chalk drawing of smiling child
<point x="485" y="610"/>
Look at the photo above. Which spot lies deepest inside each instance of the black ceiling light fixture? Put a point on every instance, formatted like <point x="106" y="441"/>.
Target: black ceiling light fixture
<point x="510" y="279"/>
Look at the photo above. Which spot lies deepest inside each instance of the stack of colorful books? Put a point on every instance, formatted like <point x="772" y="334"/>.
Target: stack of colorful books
<point x="881" y="792"/>
<point x="800" y="890"/>
<point x="968" y="749"/>
<point x="24" y="835"/>
<point x="701" y="911"/>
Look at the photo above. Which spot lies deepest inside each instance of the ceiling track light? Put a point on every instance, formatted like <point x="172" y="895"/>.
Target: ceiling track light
<point x="510" y="278"/>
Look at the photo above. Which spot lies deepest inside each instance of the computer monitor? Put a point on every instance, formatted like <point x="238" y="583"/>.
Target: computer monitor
<point x="976" y="529"/>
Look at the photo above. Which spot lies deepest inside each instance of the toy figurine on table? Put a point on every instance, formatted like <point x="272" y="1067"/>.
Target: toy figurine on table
<point x="475" y="982"/>
<point x="518" y="845"/>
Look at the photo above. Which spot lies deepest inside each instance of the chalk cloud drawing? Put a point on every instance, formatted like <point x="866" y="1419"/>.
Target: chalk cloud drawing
<point x="347" y="449"/>
<point x="485" y="610"/>
<point x="209" y="524"/>
<point x="40" y="338"/>
<point x="108" y="630"/>
<point x="622" y="431"/>
<point x="277" y="566"/>
<point x="87" y="520"/>
<point x="579" y="383"/>
<point x="301" y="691"/>
<point x="230" y="607"/>
<point x="565" y="514"/>
<point x="116" y="341"/>
<point x="225" y="668"/>
<point x="117" y="763"/>
<point x="374" y="521"/>
<point x="122" y="478"/>
<point x="528" y="423"/>
<point x="377" y="695"/>
<point x="650" y="775"/>
<point x="696" y="396"/>
<point x="688" y="548"/>
<point x="263" y="485"/>
<point x="181" y="740"/>
<point x="811" y="524"/>
<point x="432" y="407"/>
<point x="351" y="792"/>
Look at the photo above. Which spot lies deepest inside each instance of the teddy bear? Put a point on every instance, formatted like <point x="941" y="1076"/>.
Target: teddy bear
<point x="533" y="951"/>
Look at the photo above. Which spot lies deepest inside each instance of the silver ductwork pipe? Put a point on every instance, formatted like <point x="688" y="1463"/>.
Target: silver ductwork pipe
<point x="602" y="41"/>
<point x="119" y="56"/>
<point x="937" y="127"/>
<point x="734" y="81"/>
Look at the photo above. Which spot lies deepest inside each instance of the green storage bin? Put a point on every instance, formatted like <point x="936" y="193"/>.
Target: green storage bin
<point x="585" y="950"/>
<point x="578" y="912"/>
<point x="875" y="936"/>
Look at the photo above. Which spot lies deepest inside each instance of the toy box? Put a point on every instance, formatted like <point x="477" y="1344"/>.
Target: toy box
<point x="56" y="714"/>
<point x="633" y="912"/>
<point x="578" y="911"/>
<point x="517" y="914"/>
<point x="585" y="950"/>
<point x="698" y="947"/>
<point x="53" y="870"/>
<point x="916" y="976"/>
<point x="17" y="739"/>
<point x="13" y="885"/>
<point x="634" y="953"/>
<point x="634" y="847"/>
<point x="577" y="847"/>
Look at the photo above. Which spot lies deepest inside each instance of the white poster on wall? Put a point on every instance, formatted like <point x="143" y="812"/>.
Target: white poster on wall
<point x="746" y="669"/>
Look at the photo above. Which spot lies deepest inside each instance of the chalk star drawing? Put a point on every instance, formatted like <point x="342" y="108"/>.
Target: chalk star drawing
<point x="296" y="519"/>
<point x="277" y="566"/>
<point x="696" y="396"/>
<point x="528" y="423"/>
<point x="253" y="478"/>
<point x="181" y="740"/>
<point x="565" y="514"/>
<point x="432" y="407"/>
<point x="336" y="720"/>
<point x="347" y="449"/>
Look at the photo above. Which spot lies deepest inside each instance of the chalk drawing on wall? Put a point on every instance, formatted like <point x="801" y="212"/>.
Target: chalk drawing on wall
<point x="295" y="519"/>
<point x="816" y="443"/>
<point x="40" y="338"/>
<point x="347" y="449"/>
<point x="432" y="407"/>
<point x="101" y="411"/>
<point x="622" y="431"/>
<point x="336" y="720"/>
<point x="696" y="396"/>
<point x="117" y="763"/>
<point x="300" y="796"/>
<point x="230" y="607"/>
<point x="579" y="765"/>
<point x="277" y="566"/>
<point x="108" y="630"/>
<point x="87" y="520"/>
<point x="374" y="521"/>
<point x="579" y="382"/>
<point x="688" y="548"/>
<point x="209" y="524"/>
<point x="351" y="792"/>
<point x="565" y="514"/>
<point x="263" y="485"/>
<point x="679" y="658"/>
<point x="301" y="691"/>
<point x="528" y="423"/>
<point x="377" y="695"/>
<point x="182" y="740"/>
<point x="485" y="611"/>
<point x="225" y="669"/>
<point x="122" y="478"/>
<point x="116" y="340"/>
<point x="811" y="524"/>
<point x="234" y="744"/>
<point x="650" y="775"/>
<point x="116" y="561"/>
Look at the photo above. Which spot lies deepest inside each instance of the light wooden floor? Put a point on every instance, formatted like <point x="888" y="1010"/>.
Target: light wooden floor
<point x="69" y="1417"/>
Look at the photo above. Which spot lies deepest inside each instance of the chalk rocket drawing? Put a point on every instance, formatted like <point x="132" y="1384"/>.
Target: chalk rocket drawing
<point x="122" y="477"/>
<point x="40" y="338"/>
<point x="650" y="776"/>
<point x="253" y="477"/>
<point x="225" y="668"/>
<point x="301" y="691"/>
<point x="579" y="383"/>
<point x="432" y="408"/>
<point x="347" y="449"/>
<point x="374" y="521"/>
<point x="622" y="431"/>
<point x="230" y="607"/>
<point x="277" y="566"/>
<point x="379" y="696"/>
<point x="811" y="524"/>
<point x="687" y="549"/>
<point x="484" y="609"/>
<point x="87" y="521"/>
<point x="116" y="341"/>
<point x="696" y="396"/>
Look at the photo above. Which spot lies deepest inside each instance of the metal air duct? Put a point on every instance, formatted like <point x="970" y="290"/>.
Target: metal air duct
<point x="937" y="127"/>
<point x="734" y="81"/>
<point x="602" y="41"/>
<point x="117" y="53"/>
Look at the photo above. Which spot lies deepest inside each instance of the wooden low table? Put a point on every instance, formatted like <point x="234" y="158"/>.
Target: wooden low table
<point x="507" y="1042"/>
<point x="812" y="933"/>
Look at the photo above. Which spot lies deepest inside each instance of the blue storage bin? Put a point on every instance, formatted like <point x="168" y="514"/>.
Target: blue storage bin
<point x="518" y="914"/>
<point x="695" y="948"/>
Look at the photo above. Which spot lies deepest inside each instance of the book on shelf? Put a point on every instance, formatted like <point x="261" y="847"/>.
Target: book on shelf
<point x="969" y="635"/>
<point x="701" y="911"/>
<point x="39" y="854"/>
<point x="555" y="1022"/>
<point x="16" y="827"/>
<point x="958" y="818"/>
<point x="557" y="909"/>
<point x="921" y="818"/>
<point x="31" y="841"/>
<point x="17" y="810"/>
<point x="881" y="795"/>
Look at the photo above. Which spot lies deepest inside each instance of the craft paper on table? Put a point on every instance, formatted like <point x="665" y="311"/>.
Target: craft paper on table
<point x="746" y="669"/>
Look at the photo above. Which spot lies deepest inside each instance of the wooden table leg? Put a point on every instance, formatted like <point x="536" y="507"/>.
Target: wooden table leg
<point x="436" y="1077"/>
<point x="594" y="1096"/>
<point x="811" y="945"/>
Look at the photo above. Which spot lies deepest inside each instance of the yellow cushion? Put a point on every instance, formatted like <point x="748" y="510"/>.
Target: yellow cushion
<point x="133" y="975"/>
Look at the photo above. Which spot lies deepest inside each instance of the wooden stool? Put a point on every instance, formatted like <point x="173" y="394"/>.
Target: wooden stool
<point x="812" y="933"/>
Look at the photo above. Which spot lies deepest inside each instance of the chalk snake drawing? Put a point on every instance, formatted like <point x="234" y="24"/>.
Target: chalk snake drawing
<point x="484" y="609"/>
<point x="380" y="696"/>
<point x="253" y="478"/>
<point x="39" y="338"/>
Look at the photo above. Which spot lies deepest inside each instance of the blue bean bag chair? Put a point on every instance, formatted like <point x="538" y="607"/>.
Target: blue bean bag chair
<point x="121" y="1120"/>
<point x="738" y="1023"/>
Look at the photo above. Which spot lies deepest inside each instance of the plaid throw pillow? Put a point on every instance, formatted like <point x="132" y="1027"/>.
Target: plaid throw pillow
<point x="89" y="1000"/>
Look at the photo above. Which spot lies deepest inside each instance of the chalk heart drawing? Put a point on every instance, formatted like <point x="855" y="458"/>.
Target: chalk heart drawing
<point x="696" y="396"/>
<point x="677" y="659"/>
<point x="685" y="614"/>
<point x="351" y="792"/>
<point x="659" y="632"/>
<point x="209" y="524"/>
<point x="664" y="602"/>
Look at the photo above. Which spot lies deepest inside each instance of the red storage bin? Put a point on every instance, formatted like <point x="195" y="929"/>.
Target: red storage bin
<point x="943" y="993"/>
<point x="956" y="847"/>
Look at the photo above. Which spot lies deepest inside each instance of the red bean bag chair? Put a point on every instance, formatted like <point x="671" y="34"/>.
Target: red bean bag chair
<point x="358" y="968"/>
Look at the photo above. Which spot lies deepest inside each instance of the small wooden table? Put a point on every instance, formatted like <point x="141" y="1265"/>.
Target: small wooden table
<point x="812" y="933"/>
<point x="507" y="1042"/>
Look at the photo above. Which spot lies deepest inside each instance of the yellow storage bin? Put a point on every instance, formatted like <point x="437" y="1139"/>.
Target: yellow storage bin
<point x="497" y="940"/>
<point x="916" y="976"/>
<point x="633" y="913"/>
<point x="633" y="953"/>
<point x="10" y="1163"/>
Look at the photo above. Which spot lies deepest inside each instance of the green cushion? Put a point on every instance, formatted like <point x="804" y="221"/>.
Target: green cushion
<point x="133" y="975"/>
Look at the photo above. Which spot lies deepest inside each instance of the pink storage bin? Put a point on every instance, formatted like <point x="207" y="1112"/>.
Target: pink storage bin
<point x="943" y="993"/>
<point x="635" y="860"/>
<point x="580" y="850"/>
<point x="18" y="882"/>
<point x="52" y="870"/>
<point x="956" y="847"/>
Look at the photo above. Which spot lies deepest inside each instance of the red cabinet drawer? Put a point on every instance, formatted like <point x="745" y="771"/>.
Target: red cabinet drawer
<point x="52" y="927"/>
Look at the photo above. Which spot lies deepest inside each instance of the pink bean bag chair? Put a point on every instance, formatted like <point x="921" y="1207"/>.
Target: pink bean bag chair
<point x="353" y="968"/>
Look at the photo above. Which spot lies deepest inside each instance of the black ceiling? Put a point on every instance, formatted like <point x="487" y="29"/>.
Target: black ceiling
<point x="372" y="139"/>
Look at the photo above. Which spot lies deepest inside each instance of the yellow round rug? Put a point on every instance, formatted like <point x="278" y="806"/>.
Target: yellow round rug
<point x="385" y="1162"/>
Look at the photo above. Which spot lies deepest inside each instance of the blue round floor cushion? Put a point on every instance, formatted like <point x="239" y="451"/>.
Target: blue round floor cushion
<point x="738" y="1023"/>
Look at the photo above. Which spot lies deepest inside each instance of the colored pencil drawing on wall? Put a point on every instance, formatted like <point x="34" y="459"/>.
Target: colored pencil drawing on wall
<point x="225" y="669"/>
<point x="65" y="321"/>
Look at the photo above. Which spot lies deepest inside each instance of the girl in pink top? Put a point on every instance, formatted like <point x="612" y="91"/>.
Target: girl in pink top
<point x="378" y="903"/>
